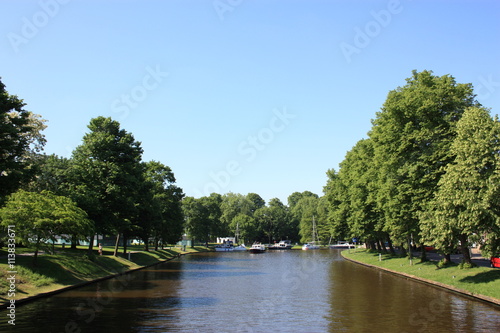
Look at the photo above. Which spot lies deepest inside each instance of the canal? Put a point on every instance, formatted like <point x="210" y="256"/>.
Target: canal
<point x="281" y="291"/>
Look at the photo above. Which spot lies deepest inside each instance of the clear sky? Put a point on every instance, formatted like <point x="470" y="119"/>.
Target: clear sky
<point x="238" y="96"/>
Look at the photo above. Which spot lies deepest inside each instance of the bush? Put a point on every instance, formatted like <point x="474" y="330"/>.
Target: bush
<point x="464" y="265"/>
<point x="443" y="264"/>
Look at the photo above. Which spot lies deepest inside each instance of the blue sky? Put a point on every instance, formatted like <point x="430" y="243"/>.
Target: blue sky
<point x="238" y="95"/>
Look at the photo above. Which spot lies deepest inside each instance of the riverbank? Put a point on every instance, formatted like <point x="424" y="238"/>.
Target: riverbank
<point x="68" y="269"/>
<point x="478" y="282"/>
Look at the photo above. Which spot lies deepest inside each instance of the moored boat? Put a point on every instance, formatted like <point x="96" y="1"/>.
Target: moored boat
<point x="342" y="245"/>
<point x="257" y="248"/>
<point x="227" y="246"/>
<point x="310" y="246"/>
<point x="241" y="247"/>
<point x="282" y="245"/>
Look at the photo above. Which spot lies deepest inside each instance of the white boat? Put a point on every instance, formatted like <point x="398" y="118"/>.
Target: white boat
<point x="227" y="246"/>
<point x="282" y="245"/>
<point x="312" y="245"/>
<point x="342" y="245"/>
<point x="257" y="248"/>
<point x="241" y="247"/>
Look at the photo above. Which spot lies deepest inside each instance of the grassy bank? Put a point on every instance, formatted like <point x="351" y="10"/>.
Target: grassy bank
<point x="72" y="267"/>
<point x="473" y="281"/>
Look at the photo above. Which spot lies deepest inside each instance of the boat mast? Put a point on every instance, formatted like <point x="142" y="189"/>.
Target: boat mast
<point x="314" y="233"/>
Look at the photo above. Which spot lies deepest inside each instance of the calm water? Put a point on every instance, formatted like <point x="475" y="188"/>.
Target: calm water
<point x="282" y="291"/>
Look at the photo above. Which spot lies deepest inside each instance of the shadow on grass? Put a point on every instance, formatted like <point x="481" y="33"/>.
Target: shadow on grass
<point x="483" y="277"/>
<point x="71" y="268"/>
<point x="144" y="258"/>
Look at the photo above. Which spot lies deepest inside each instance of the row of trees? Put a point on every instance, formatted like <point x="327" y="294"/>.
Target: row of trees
<point x="250" y="219"/>
<point x="426" y="174"/>
<point x="104" y="188"/>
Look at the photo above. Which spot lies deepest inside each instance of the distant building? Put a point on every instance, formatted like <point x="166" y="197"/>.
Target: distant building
<point x="221" y="240"/>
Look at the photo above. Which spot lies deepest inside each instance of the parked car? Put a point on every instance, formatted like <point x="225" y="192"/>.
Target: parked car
<point x="495" y="262"/>
<point x="429" y="248"/>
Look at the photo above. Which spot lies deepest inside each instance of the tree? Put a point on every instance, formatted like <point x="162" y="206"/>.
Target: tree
<point x="411" y="137"/>
<point x="106" y="177"/>
<point x="339" y="207"/>
<point x="283" y="228"/>
<point x="52" y="174"/>
<point x="257" y="201"/>
<point x="359" y="176"/>
<point x="464" y="206"/>
<point x="20" y="138"/>
<point x="198" y="223"/>
<point x="304" y="211"/>
<point x="247" y="228"/>
<point x="39" y="217"/>
<point x="159" y="205"/>
<point x="232" y="205"/>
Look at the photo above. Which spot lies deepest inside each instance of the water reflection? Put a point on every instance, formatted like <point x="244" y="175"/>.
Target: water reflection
<point x="282" y="291"/>
<point x="363" y="298"/>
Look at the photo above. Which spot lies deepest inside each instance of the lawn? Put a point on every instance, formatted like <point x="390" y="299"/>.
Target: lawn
<point x="70" y="267"/>
<point x="476" y="281"/>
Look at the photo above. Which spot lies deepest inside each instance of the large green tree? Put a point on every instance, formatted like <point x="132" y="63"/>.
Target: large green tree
<point x="159" y="212"/>
<point x="39" y="217"/>
<point x="465" y="204"/>
<point x="20" y="139"/>
<point x="359" y="176"/>
<point x="197" y="215"/>
<point x="338" y="206"/>
<point x="107" y="176"/>
<point x="411" y="137"/>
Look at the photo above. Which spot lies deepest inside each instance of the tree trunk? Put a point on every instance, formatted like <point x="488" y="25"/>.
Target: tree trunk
<point x="423" y="256"/>
<point x="465" y="249"/>
<point x="91" y="244"/>
<point x="146" y="244"/>
<point x="35" y="255"/>
<point x="116" y="244"/>
<point x="382" y="246"/>
<point x="447" y="258"/>
<point x="377" y="244"/>
<point x="125" y="238"/>
<point x="403" y="250"/>
<point x="391" y="248"/>
<point x="410" y="253"/>
<point x="74" y="243"/>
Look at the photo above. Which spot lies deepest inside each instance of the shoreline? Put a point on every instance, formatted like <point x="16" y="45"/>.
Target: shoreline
<point x="476" y="296"/>
<point x="29" y="299"/>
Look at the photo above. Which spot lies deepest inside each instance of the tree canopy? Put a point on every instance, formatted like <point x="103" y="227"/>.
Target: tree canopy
<point x="426" y="173"/>
<point x="40" y="217"/>
<point x="20" y="139"/>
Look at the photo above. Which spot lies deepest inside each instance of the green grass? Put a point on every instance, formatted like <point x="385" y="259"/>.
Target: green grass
<point x="69" y="267"/>
<point x="478" y="280"/>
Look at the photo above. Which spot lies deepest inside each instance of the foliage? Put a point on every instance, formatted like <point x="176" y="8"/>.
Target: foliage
<point x="391" y="186"/>
<point x="107" y="176"/>
<point x="20" y="139"/>
<point x="159" y="210"/>
<point x="306" y="207"/>
<point x="39" y="217"/>
<point x="464" y="205"/>
<point x="411" y="136"/>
